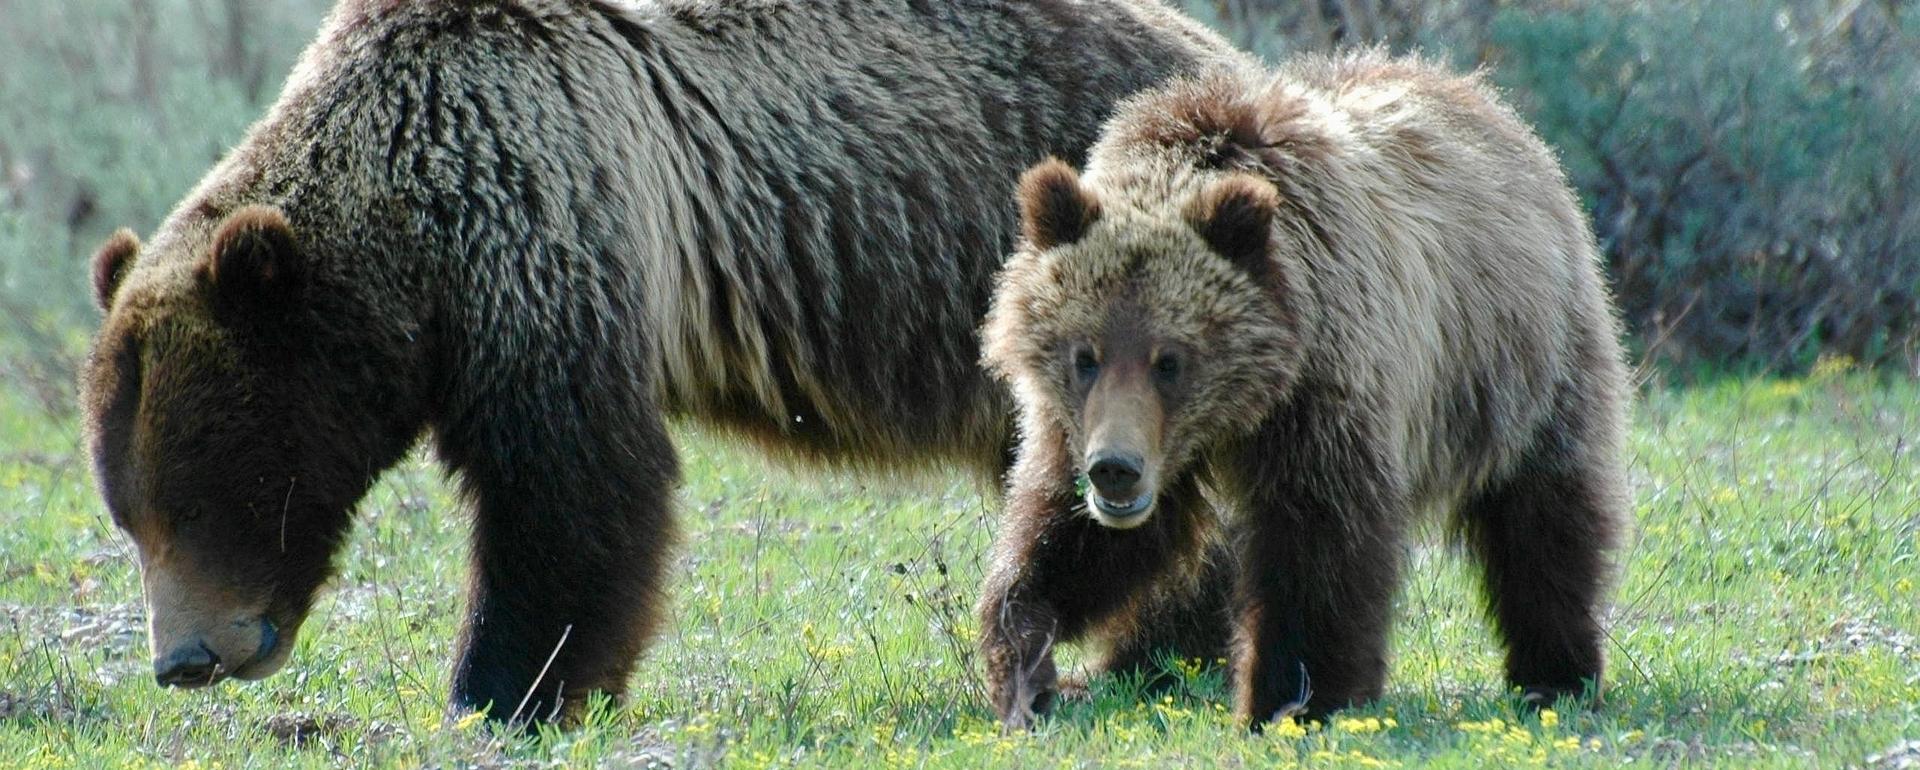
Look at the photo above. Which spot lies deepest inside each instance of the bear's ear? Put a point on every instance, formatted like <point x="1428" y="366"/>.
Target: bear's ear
<point x="254" y="269"/>
<point x="1235" y="217"/>
<point x="110" y="265"/>
<point x="1054" y="209"/>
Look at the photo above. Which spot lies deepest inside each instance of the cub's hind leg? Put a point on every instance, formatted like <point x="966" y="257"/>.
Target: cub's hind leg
<point x="1545" y="535"/>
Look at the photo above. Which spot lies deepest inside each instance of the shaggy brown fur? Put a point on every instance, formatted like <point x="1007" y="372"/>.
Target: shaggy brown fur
<point x="1294" y="310"/>
<point x="538" y="228"/>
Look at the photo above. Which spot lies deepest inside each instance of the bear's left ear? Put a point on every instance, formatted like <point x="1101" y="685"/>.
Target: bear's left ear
<point x="254" y="269"/>
<point x="110" y="265"/>
<point x="1235" y="217"/>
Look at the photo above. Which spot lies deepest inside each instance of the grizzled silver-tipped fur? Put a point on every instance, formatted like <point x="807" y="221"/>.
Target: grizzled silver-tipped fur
<point x="536" y="230"/>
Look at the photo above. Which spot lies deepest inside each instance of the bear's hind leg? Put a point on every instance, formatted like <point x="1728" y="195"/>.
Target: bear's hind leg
<point x="1544" y="536"/>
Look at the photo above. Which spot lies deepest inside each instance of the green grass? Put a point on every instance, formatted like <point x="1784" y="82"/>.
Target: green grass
<point x="1767" y="616"/>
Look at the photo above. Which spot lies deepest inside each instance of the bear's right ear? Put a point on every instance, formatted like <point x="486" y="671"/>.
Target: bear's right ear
<point x="110" y="265"/>
<point x="254" y="269"/>
<point x="1235" y="217"/>
<point x="1054" y="209"/>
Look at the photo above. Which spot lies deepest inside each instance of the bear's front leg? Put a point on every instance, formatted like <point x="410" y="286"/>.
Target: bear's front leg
<point x="573" y="533"/>
<point x="1057" y="574"/>
<point x="1016" y="647"/>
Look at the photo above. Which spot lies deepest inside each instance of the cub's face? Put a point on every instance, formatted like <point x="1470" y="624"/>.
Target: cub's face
<point x="1141" y="330"/>
<point x="209" y="435"/>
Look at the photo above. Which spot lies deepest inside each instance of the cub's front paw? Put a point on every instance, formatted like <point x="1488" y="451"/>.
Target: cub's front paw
<point x="1023" y="686"/>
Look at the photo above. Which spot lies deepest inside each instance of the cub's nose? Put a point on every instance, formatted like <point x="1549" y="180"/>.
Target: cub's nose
<point x="1114" y="475"/>
<point x="189" y="665"/>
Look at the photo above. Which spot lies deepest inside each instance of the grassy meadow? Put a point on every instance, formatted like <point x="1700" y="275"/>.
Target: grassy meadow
<point x="1766" y="617"/>
<point x="1748" y="167"/>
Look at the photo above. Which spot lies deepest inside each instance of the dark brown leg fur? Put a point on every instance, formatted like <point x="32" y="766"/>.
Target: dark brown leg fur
<point x="1058" y="574"/>
<point x="1321" y="551"/>
<point x="1543" y="537"/>
<point x="573" y="535"/>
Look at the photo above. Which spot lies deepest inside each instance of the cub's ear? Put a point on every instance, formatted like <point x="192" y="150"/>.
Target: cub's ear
<point x="254" y="269"/>
<point x="110" y="264"/>
<point x="1054" y="209"/>
<point x="1235" y="217"/>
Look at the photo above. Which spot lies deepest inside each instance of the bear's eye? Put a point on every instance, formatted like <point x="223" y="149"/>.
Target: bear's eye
<point x="1085" y="366"/>
<point x="1166" y="368"/>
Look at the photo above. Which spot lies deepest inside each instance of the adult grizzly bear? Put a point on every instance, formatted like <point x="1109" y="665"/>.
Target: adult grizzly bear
<point x="536" y="229"/>
<point x="1313" y="303"/>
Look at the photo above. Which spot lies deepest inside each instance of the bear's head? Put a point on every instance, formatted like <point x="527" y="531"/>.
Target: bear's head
<point x="229" y="434"/>
<point x="1144" y="320"/>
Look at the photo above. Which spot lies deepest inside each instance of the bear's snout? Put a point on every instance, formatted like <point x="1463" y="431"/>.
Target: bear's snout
<point x="191" y="665"/>
<point x="1116" y="475"/>
<point x="200" y="634"/>
<point x="246" y="649"/>
<point x="1125" y="420"/>
<point x="1121" y="496"/>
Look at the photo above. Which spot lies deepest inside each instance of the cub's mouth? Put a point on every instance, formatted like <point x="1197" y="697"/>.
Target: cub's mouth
<point x="1120" y="514"/>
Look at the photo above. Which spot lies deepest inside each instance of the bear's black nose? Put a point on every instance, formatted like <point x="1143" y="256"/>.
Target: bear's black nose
<point x="190" y="665"/>
<point x="1114" y="475"/>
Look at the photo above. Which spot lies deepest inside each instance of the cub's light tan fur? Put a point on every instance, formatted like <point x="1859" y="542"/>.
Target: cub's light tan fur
<point x="1410" y="197"/>
<point x="1428" y="329"/>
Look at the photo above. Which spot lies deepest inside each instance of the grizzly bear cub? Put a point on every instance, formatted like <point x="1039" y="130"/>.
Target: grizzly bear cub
<point x="1295" y="309"/>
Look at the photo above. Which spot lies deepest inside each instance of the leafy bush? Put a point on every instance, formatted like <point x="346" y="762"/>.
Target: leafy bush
<point x="1755" y="187"/>
<point x="39" y="347"/>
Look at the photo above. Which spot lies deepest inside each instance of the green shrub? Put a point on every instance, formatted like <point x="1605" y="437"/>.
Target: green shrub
<point x="1754" y="185"/>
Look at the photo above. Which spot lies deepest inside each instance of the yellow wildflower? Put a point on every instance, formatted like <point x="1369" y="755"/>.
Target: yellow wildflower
<point x="1359" y="726"/>
<point x="1829" y="367"/>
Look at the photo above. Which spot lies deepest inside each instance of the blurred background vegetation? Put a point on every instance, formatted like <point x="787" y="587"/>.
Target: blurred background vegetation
<point x="1750" y="165"/>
